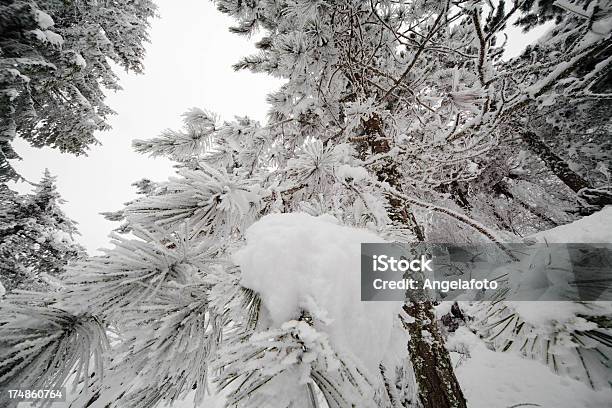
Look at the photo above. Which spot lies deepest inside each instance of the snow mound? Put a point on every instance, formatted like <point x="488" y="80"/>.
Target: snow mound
<point x="44" y="20"/>
<point x="297" y="262"/>
<point x="493" y="379"/>
<point x="596" y="228"/>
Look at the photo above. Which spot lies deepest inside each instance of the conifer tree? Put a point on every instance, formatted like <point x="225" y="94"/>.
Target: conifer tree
<point x="36" y="238"/>
<point x="54" y="64"/>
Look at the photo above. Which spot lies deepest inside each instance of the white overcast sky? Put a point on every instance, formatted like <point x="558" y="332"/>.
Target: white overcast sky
<point x="188" y="64"/>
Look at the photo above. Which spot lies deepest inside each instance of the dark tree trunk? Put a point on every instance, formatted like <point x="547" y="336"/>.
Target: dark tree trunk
<point x="503" y="188"/>
<point x="438" y="385"/>
<point x="590" y="199"/>
<point x="555" y="163"/>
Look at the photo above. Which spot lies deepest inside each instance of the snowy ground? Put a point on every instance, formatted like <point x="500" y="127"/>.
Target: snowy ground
<point x="501" y="380"/>
<point x="596" y="228"/>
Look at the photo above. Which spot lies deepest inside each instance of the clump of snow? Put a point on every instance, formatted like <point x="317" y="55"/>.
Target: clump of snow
<point x="472" y="167"/>
<point x="443" y="308"/>
<point x="494" y="379"/>
<point x="48" y="36"/>
<point x="54" y="38"/>
<point x="297" y="262"/>
<point x="79" y="60"/>
<point x="602" y="26"/>
<point x="60" y="237"/>
<point x="2" y="289"/>
<point x="356" y="174"/>
<point x="596" y="228"/>
<point x="40" y="35"/>
<point x="43" y="19"/>
<point x="551" y="314"/>
<point x="15" y="73"/>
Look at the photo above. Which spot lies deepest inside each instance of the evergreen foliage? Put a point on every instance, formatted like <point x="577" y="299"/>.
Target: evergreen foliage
<point x="36" y="237"/>
<point x="396" y="118"/>
<point x="55" y="62"/>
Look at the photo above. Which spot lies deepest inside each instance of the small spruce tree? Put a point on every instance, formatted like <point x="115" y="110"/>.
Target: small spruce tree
<point x="36" y="238"/>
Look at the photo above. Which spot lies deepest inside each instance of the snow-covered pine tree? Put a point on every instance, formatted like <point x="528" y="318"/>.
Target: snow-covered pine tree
<point x="55" y="62"/>
<point x="566" y="126"/>
<point x="383" y="104"/>
<point x="36" y="238"/>
<point x="553" y="154"/>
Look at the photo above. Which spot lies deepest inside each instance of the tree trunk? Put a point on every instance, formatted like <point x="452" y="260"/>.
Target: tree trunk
<point x="503" y="188"/>
<point x="438" y="385"/>
<point x="555" y="163"/>
<point x="590" y="199"/>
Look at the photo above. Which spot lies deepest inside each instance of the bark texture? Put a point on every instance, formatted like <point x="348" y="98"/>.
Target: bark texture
<point x="438" y="385"/>
<point x="555" y="163"/>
